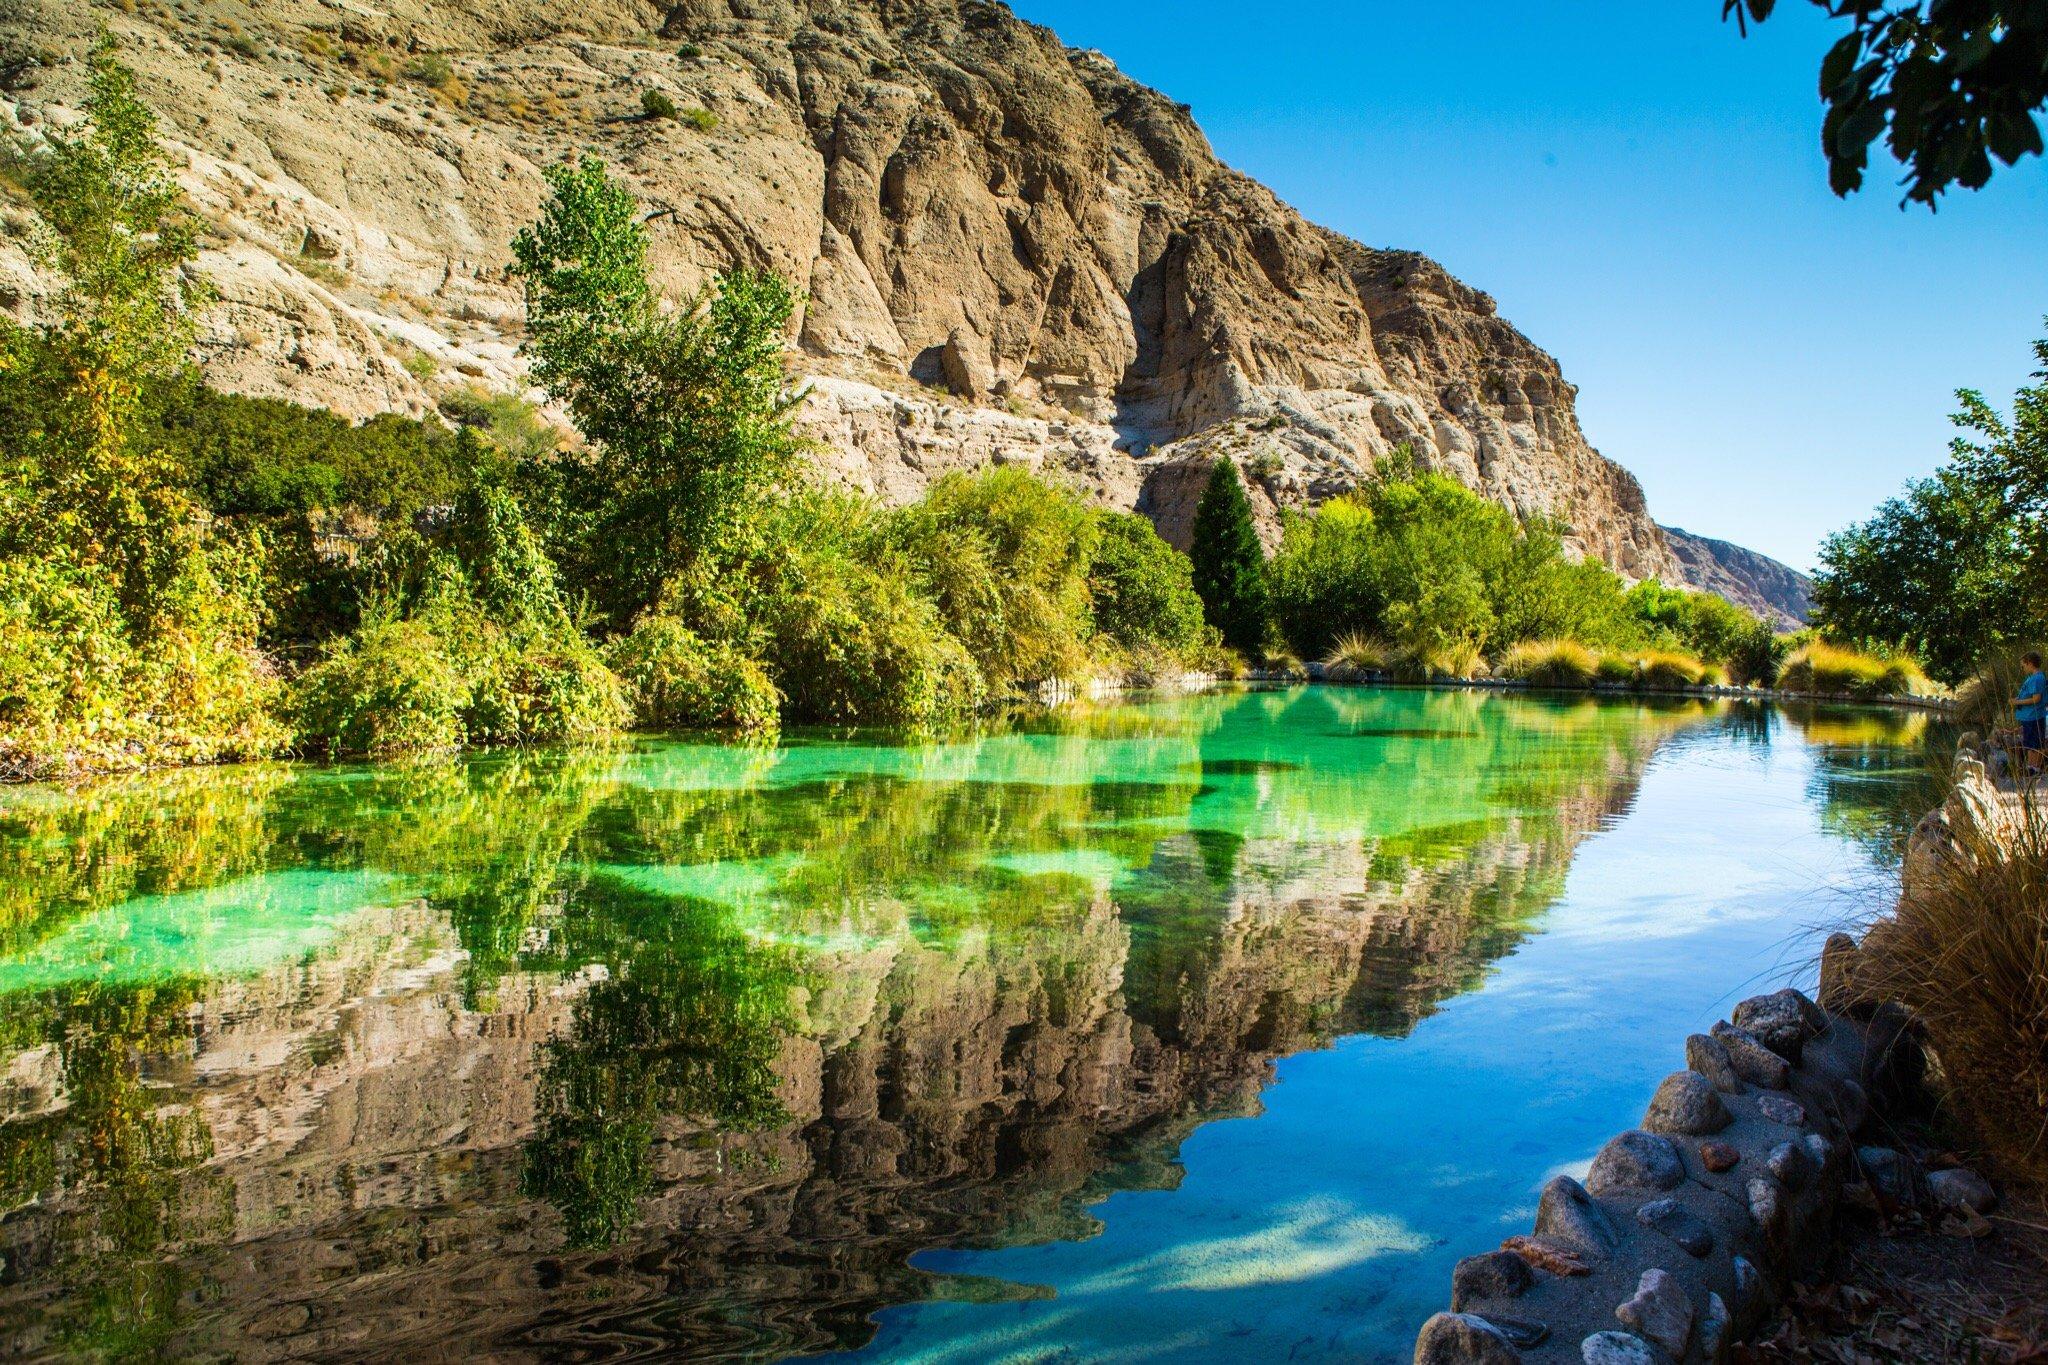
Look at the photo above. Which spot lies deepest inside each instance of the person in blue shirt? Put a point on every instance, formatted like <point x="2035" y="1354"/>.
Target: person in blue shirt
<point x="2031" y="707"/>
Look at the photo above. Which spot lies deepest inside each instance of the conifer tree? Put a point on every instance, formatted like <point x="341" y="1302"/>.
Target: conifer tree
<point x="1230" y="565"/>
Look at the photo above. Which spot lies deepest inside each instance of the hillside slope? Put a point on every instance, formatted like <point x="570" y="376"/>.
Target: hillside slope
<point x="1011" y="251"/>
<point x="1777" y="592"/>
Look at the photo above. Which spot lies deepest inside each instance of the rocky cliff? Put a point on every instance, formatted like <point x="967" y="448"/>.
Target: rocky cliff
<point x="1011" y="251"/>
<point x="1777" y="592"/>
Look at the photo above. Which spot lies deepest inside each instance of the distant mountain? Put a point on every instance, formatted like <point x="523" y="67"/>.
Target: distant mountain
<point x="1775" y="591"/>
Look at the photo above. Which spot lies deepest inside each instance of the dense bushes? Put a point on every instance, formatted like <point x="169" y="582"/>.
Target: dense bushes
<point x="1142" y="590"/>
<point x="676" y="680"/>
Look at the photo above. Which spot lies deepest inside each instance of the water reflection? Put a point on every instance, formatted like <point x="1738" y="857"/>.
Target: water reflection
<point x="683" y="1045"/>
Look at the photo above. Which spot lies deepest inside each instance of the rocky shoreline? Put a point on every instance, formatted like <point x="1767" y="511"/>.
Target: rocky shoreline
<point x="1689" y="1230"/>
<point x="1321" y="673"/>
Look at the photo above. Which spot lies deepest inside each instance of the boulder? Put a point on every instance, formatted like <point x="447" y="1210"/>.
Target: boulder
<point x="1616" y="1348"/>
<point x="1961" y="1190"/>
<point x="1462" y="1339"/>
<point x="1779" y="1109"/>
<point x="1636" y="1163"/>
<point x="1660" y="1313"/>
<point x="1753" y="1061"/>
<point x="1566" y="1213"/>
<point x="1791" y="1164"/>
<point x="1781" y="1021"/>
<point x="1714" y="1330"/>
<point x="1687" y="1103"/>
<point x="1493" y="1275"/>
<point x="1893" y="1177"/>
<point x="1708" y="1056"/>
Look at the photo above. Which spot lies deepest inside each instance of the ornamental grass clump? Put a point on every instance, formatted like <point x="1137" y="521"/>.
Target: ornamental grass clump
<point x="1550" y="663"/>
<point x="1666" y="670"/>
<point x="1967" y="953"/>
<point x="1355" y="655"/>
<point x="1830" y="668"/>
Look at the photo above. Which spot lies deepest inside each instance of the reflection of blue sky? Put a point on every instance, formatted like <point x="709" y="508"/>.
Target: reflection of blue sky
<point x="1326" y="1227"/>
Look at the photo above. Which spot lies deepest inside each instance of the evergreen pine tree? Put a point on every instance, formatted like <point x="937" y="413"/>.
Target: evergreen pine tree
<point x="1230" y="565"/>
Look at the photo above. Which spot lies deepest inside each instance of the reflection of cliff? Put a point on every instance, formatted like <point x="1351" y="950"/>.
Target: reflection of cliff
<point x="933" y="1073"/>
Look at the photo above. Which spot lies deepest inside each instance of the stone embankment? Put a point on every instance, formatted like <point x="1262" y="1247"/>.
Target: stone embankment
<point x="1687" y="1229"/>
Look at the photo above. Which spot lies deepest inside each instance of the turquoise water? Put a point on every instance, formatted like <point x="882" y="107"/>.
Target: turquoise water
<point x="1197" y="1028"/>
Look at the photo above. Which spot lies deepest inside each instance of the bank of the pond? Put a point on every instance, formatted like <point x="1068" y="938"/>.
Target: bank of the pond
<point x="1688" y="1232"/>
<point x="1322" y="674"/>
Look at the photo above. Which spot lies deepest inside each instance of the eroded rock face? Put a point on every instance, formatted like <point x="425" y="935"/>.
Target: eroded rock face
<point x="1010" y="251"/>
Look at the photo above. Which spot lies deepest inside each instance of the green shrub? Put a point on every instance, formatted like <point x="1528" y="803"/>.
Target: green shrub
<point x="391" y="689"/>
<point x="679" y="681"/>
<point x="703" y="120"/>
<point x="656" y="104"/>
<point x="1550" y="663"/>
<point x="1617" y="668"/>
<point x="1141" y="590"/>
<point x="848" y="645"/>
<point x="1004" y="558"/>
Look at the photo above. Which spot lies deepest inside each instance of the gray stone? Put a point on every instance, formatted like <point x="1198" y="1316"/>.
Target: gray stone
<point x="1461" y="1339"/>
<point x="1680" y="1224"/>
<point x="1568" y="1214"/>
<point x="1961" y="1190"/>
<point x="1852" y="1106"/>
<point x="1749" y="1284"/>
<point x="1894" y="1177"/>
<point x="1779" y="1109"/>
<point x="1636" y="1163"/>
<point x="1839" y="962"/>
<point x="1616" y="1348"/>
<point x="1687" y="1103"/>
<point x="1791" y="1164"/>
<point x="1522" y="1333"/>
<point x="1710" y="1058"/>
<point x="1818" y="1151"/>
<point x="1768" y="1209"/>
<point x="1754" y="1062"/>
<point x="1714" y="1324"/>
<point x="1660" y="1312"/>
<point x="1494" y="1275"/>
<point x="1779" y="1021"/>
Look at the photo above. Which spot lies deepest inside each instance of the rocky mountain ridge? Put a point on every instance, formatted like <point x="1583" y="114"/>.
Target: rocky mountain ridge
<point x="1011" y="252"/>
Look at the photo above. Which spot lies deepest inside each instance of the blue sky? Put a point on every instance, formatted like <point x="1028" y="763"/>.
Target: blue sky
<point x="1643" y="192"/>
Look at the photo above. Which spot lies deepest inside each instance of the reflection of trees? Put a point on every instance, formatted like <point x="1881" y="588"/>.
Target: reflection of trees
<point x="1877" y="770"/>
<point x="946" y="993"/>
<point x="689" y="1027"/>
<point x="117" y="1157"/>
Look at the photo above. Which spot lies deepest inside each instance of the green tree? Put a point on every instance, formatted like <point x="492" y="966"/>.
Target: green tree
<point x="1954" y="570"/>
<point x="688" y="413"/>
<point x="1142" y="590"/>
<point x="1949" y="84"/>
<point x="108" y="226"/>
<point x="1229" y="563"/>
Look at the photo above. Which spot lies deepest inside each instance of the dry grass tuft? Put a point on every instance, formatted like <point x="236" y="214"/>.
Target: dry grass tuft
<point x="1967" y="952"/>
<point x="1826" y="668"/>
<point x="1355" y="655"/>
<point x="1550" y="663"/>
